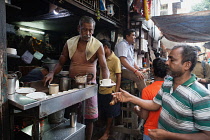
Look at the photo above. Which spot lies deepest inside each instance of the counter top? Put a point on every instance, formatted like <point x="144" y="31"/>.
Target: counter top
<point x="22" y="102"/>
<point x="53" y="103"/>
<point x="58" y="131"/>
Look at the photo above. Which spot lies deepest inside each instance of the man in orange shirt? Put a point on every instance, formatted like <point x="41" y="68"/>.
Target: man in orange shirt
<point x="149" y="119"/>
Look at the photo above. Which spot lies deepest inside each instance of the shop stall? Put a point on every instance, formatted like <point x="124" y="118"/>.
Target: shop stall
<point x="40" y="108"/>
<point x="37" y="31"/>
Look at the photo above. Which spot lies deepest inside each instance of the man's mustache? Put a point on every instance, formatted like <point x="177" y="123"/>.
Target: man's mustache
<point x="86" y="36"/>
<point x="201" y="54"/>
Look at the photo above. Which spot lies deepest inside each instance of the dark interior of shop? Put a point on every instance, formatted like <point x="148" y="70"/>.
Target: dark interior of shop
<point x="58" y="28"/>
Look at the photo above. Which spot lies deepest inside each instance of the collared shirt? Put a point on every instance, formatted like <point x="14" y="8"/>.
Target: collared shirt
<point x="124" y="49"/>
<point x="198" y="71"/>
<point x="185" y="110"/>
<point x="114" y="67"/>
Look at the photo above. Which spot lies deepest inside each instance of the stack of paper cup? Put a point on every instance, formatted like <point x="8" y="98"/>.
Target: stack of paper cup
<point x="12" y="51"/>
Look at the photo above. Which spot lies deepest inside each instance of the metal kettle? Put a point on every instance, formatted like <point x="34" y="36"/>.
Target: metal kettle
<point x="13" y="81"/>
<point x="83" y="79"/>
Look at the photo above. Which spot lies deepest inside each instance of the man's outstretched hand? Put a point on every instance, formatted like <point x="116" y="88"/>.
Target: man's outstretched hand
<point x="122" y="96"/>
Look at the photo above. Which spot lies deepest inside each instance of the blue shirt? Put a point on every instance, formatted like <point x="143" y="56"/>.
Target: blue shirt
<point x="34" y="75"/>
<point x="126" y="50"/>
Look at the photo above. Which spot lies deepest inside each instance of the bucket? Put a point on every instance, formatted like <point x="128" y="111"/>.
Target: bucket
<point x="56" y="117"/>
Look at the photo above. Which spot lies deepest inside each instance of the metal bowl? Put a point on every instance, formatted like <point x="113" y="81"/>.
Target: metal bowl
<point x="64" y="73"/>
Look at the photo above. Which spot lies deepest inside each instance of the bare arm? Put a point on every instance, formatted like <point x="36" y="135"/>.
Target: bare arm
<point x="102" y="63"/>
<point x="124" y="96"/>
<point x="129" y="67"/>
<point x="125" y="63"/>
<point x="118" y="82"/>
<point x="144" y="114"/>
<point x="64" y="56"/>
<point x="161" y="134"/>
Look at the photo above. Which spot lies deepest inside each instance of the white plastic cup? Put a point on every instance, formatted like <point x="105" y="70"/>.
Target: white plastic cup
<point x="12" y="51"/>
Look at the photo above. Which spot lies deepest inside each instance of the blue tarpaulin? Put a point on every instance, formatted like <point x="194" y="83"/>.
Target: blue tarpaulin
<point x="190" y="28"/>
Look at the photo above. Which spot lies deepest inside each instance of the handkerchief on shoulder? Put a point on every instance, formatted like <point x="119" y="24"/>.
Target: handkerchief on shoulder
<point x="91" y="48"/>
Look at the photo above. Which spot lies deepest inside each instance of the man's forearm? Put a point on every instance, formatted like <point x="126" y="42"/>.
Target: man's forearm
<point x="144" y="114"/>
<point x="146" y="104"/>
<point x="118" y="81"/>
<point x="58" y="67"/>
<point x="105" y="72"/>
<point x="126" y="64"/>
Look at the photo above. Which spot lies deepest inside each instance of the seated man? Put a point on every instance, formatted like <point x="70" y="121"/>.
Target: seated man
<point x="125" y="51"/>
<point x="36" y="74"/>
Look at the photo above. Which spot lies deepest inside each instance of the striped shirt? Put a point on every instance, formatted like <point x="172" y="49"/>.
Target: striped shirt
<point x="185" y="110"/>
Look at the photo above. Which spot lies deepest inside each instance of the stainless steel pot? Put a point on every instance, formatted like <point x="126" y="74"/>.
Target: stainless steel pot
<point x="64" y="73"/>
<point x="65" y="83"/>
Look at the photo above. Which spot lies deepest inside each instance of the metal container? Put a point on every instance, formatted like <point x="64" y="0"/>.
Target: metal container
<point x="11" y="84"/>
<point x="64" y="73"/>
<point x="73" y="119"/>
<point x="65" y="83"/>
<point x="82" y="79"/>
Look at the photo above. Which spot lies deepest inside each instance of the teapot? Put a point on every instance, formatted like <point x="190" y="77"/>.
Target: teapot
<point x="13" y="81"/>
<point x="82" y="79"/>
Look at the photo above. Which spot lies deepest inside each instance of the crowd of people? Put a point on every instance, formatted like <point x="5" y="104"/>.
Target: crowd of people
<point x="176" y="106"/>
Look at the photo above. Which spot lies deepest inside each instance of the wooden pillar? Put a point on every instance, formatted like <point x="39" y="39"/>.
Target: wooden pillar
<point x="128" y="16"/>
<point x="4" y="117"/>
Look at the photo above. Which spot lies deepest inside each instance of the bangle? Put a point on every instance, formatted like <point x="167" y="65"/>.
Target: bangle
<point x="135" y="71"/>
